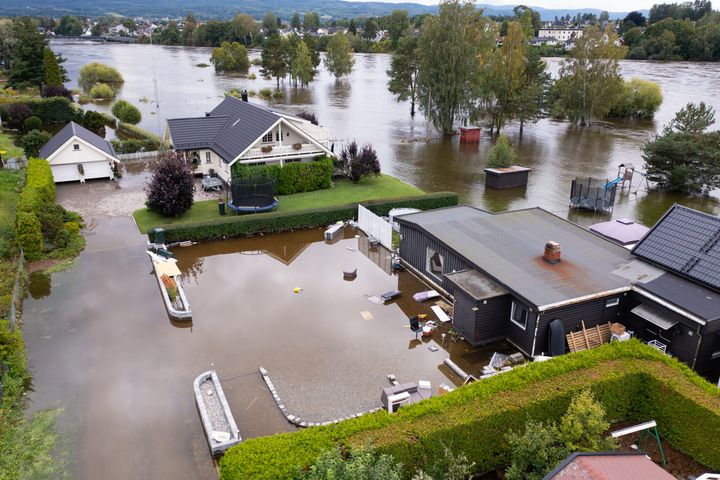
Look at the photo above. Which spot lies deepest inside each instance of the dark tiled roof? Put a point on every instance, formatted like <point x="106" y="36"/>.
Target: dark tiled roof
<point x="73" y="129"/>
<point x="509" y="246"/>
<point x="197" y="132"/>
<point x="228" y="130"/>
<point x="608" y="466"/>
<point x="686" y="242"/>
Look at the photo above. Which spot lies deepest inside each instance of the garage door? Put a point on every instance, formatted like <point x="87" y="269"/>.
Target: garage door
<point x="97" y="170"/>
<point x="65" y="173"/>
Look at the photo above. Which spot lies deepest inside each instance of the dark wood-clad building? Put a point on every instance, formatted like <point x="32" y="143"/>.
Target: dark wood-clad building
<point x="511" y="274"/>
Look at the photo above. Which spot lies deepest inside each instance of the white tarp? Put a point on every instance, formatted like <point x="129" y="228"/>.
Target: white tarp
<point x="375" y="226"/>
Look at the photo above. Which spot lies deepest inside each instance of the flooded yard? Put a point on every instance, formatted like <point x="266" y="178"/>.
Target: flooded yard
<point x="102" y="347"/>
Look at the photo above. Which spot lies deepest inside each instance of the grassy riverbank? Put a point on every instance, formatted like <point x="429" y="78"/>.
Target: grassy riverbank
<point x="343" y="193"/>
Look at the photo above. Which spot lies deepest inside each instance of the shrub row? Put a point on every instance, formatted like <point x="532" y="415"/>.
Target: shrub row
<point x="134" y="145"/>
<point x="296" y="177"/>
<point x="49" y="110"/>
<point x="133" y="131"/>
<point x="233" y="226"/>
<point x="632" y="381"/>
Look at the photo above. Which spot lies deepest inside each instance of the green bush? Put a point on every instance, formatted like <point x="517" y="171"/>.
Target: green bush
<point x="502" y="154"/>
<point x="102" y="91"/>
<point x="39" y="175"/>
<point x="49" y="110"/>
<point x="136" y="132"/>
<point x="639" y="99"/>
<point x="265" y="93"/>
<point x="361" y="464"/>
<point x="93" y="73"/>
<point x="135" y="145"/>
<point x="233" y="226"/>
<point x="72" y="227"/>
<point x="126" y="112"/>
<point x="28" y="235"/>
<point x="633" y="382"/>
<point x="33" y="141"/>
<point x="292" y="178"/>
<point x="33" y="123"/>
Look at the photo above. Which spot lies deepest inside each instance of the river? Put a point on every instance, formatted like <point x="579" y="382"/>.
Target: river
<point x="360" y="107"/>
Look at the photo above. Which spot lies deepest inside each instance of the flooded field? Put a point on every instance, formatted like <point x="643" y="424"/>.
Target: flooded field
<point x="360" y="107"/>
<point x="102" y="347"/>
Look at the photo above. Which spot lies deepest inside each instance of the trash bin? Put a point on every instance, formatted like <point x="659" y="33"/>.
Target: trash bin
<point x="159" y="235"/>
<point x="221" y="207"/>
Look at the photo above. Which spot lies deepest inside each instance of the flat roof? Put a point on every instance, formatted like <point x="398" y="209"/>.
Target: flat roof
<point x="509" y="246"/>
<point x="685" y="294"/>
<point x="620" y="230"/>
<point x="478" y="286"/>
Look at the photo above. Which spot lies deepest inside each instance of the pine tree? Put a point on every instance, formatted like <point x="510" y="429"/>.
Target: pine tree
<point x="274" y="59"/>
<point x="27" y="58"/>
<point x="302" y="67"/>
<point x="339" y="59"/>
<point x="53" y="71"/>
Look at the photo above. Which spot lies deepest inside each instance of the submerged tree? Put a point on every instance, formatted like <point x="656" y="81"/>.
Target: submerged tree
<point x="590" y="80"/>
<point x="171" y="188"/>
<point x="339" y="58"/>
<point x="274" y="59"/>
<point x="301" y="68"/>
<point x="451" y="47"/>
<point x="230" y="57"/>
<point x="404" y="70"/>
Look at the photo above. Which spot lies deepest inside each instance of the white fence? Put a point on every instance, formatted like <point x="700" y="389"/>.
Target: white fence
<point x="375" y="226"/>
<point x="138" y="155"/>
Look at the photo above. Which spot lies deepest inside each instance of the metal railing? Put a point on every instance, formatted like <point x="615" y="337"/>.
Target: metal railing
<point x="282" y="151"/>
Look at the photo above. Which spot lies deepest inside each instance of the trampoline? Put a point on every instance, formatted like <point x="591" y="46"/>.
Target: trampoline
<point x="593" y="194"/>
<point x="252" y="195"/>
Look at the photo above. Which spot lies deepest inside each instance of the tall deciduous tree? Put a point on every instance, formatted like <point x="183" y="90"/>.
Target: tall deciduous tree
<point x="26" y="66"/>
<point x="370" y="29"/>
<point x="590" y="80"/>
<point x="311" y="21"/>
<point x="230" y="57"/>
<point x="244" y="27"/>
<point x="404" y="71"/>
<point x="451" y="48"/>
<point x="302" y="67"/>
<point x="397" y="23"/>
<point x="269" y="23"/>
<point x="274" y="59"/>
<point x="339" y="58"/>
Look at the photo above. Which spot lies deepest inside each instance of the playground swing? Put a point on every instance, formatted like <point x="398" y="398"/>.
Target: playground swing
<point x="647" y="431"/>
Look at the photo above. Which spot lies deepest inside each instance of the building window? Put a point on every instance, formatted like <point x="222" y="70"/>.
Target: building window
<point x="291" y="160"/>
<point x="256" y="164"/>
<point x="76" y="146"/>
<point x="267" y="138"/>
<point x="435" y="263"/>
<point x="208" y="157"/>
<point x="519" y="315"/>
<point x="613" y="302"/>
<point x="277" y="136"/>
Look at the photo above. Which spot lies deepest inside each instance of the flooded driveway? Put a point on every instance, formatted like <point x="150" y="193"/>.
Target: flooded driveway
<point x="102" y="348"/>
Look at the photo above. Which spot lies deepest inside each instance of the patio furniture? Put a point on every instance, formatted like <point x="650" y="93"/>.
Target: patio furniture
<point x="211" y="183"/>
<point x="397" y="396"/>
<point x="415" y="325"/>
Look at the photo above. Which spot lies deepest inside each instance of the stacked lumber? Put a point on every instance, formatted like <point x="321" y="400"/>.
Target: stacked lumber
<point x="168" y="282"/>
<point x="588" y="338"/>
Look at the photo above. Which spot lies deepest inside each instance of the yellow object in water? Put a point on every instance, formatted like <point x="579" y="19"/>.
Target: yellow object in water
<point x="297" y="289"/>
<point x="422" y="316"/>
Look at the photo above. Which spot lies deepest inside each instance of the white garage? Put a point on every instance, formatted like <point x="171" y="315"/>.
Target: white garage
<point x="77" y="154"/>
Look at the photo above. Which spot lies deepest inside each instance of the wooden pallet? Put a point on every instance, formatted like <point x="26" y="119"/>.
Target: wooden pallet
<point x="588" y="338"/>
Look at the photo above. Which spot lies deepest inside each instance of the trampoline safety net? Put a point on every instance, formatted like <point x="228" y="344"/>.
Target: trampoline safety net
<point x="592" y="194"/>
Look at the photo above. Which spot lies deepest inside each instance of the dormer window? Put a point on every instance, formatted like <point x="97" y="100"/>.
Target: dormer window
<point x="76" y="146"/>
<point x="267" y="138"/>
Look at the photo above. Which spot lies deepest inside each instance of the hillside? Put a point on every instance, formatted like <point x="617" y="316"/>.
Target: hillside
<point x="223" y="9"/>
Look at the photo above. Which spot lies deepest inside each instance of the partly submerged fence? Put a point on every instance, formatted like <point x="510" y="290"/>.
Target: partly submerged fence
<point x="138" y="155"/>
<point x="16" y="292"/>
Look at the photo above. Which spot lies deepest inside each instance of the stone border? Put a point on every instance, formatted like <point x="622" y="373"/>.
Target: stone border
<point x="296" y="420"/>
<point x="216" y="448"/>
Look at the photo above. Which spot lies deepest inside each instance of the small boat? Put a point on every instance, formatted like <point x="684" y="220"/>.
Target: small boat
<point x="168" y="277"/>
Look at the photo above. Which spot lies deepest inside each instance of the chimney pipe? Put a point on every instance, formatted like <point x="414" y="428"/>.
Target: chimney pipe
<point x="552" y="252"/>
<point x="244" y="95"/>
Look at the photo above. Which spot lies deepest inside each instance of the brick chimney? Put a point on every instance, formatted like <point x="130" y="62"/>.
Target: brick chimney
<point x="552" y="252"/>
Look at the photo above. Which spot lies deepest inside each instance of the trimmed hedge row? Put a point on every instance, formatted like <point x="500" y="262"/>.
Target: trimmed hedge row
<point x="233" y="226"/>
<point x="38" y="192"/>
<point x="133" y="131"/>
<point x="49" y="110"/>
<point x="134" y="145"/>
<point x="632" y="381"/>
<point x="296" y="177"/>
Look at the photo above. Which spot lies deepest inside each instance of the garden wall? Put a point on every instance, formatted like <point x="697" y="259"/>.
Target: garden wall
<point x="233" y="226"/>
<point x="632" y="381"/>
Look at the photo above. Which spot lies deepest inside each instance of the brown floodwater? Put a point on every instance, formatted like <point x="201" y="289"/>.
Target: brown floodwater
<point x="102" y="347"/>
<point x="360" y="107"/>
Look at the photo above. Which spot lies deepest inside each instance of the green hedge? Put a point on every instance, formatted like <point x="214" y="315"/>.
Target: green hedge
<point x="49" y="110"/>
<point x="133" y="131"/>
<point x="233" y="226"/>
<point x="39" y="176"/>
<point x="632" y="381"/>
<point x="133" y="145"/>
<point x="28" y="235"/>
<point x="296" y="177"/>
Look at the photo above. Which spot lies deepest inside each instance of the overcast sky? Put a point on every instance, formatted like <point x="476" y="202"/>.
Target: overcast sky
<point x="610" y="5"/>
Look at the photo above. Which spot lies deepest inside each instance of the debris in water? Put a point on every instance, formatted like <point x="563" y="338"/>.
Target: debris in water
<point x="375" y="299"/>
<point x="350" y="248"/>
<point x="366" y="315"/>
<point x="433" y="348"/>
<point x="209" y="392"/>
<point x="297" y="290"/>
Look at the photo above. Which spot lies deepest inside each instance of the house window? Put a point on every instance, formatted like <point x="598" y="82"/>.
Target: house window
<point x="435" y="263"/>
<point x="267" y="138"/>
<point x="76" y="146"/>
<point x="256" y="164"/>
<point x="613" y="302"/>
<point x="277" y="136"/>
<point x="208" y="158"/>
<point x="519" y="315"/>
<point x="291" y="160"/>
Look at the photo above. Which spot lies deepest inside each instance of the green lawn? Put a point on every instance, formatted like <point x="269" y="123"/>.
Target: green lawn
<point x="6" y="143"/>
<point x="8" y="197"/>
<point x="343" y="193"/>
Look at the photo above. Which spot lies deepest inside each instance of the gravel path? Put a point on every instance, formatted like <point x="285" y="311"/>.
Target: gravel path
<point x="214" y="407"/>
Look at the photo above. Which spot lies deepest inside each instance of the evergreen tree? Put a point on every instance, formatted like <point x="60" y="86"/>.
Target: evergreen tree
<point x="352" y="28"/>
<point x="397" y="24"/>
<point x="302" y="67"/>
<point x="339" y="58"/>
<point x="371" y="29"/>
<point x="311" y="21"/>
<point x="404" y="70"/>
<point x="451" y="47"/>
<point x="531" y="100"/>
<point x="26" y="66"/>
<point x="295" y="22"/>
<point x="269" y="23"/>
<point x="54" y="73"/>
<point x="274" y="59"/>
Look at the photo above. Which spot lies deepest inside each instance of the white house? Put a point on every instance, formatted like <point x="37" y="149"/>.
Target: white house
<point x="561" y="34"/>
<point x="237" y="131"/>
<point x="77" y="154"/>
